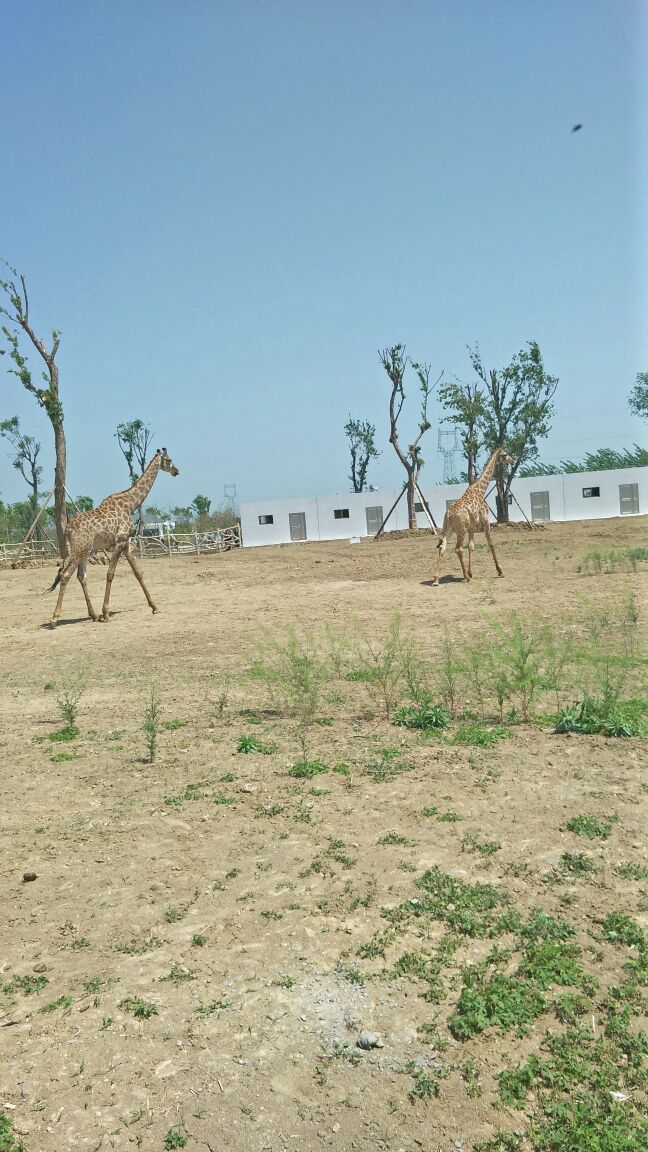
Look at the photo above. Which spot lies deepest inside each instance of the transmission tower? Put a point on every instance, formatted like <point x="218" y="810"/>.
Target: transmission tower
<point x="231" y="495"/>
<point x="448" y="446"/>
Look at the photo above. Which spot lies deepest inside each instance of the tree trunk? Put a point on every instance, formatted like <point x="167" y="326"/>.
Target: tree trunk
<point x="60" y="511"/>
<point x="502" y="503"/>
<point x="411" y="511"/>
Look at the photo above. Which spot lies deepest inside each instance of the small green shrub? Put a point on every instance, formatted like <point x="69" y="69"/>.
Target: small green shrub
<point x="425" y="717"/>
<point x="591" y="826"/>
<point x="306" y="769"/>
<point x="140" y="1009"/>
<point x="253" y="744"/>
<point x="480" y="736"/>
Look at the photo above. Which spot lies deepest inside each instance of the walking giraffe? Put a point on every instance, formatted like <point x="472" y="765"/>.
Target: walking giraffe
<point x="469" y="514"/>
<point x="109" y="526"/>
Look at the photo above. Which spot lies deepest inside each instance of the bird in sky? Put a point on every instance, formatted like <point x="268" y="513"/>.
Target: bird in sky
<point x="577" y="127"/>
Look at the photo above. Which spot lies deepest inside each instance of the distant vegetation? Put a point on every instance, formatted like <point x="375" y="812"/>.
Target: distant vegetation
<point x="599" y="461"/>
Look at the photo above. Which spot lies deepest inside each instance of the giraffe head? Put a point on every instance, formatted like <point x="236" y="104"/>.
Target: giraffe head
<point x="166" y="463"/>
<point x="503" y="457"/>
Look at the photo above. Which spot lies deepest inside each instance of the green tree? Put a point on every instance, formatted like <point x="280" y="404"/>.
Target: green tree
<point x="395" y="362"/>
<point x="465" y="403"/>
<point x="16" y="309"/>
<point x="27" y="451"/>
<point x="134" y="438"/>
<point x="361" y="436"/>
<point x="639" y="396"/>
<point x="201" y="505"/>
<point x="517" y="411"/>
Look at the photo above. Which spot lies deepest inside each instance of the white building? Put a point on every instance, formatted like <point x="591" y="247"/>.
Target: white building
<point x="574" y="496"/>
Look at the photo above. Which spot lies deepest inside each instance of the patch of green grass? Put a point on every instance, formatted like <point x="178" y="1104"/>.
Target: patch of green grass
<point x="450" y="817"/>
<point x="285" y="982"/>
<point x="62" y="1002"/>
<point x="198" y="941"/>
<point x="29" y="985"/>
<point x="387" y="764"/>
<point x="8" y="1142"/>
<point x="220" y="1005"/>
<point x="591" y="826"/>
<point x="173" y="914"/>
<point x="174" y="1139"/>
<point x="178" y="975"/>
<point x="481" y="735"/>
<point x="172" y="725"/>
<point x="306" y="769"/>
<point x="605" y="717"/>
<point x="552" y="963"/>
<point x="619" y="928"/>
<point x="64" y="757"/>
<point x="222" y="798"/>
<point x="65" y="735"/>
<point x="576" y="864"/>
<point x="467" y="909"/>
<point x="497" y="1001"/>
<point x="424" y="717"/>
<point x="429" y="812"/>
<point x="472" y="843"/>
<point x="140" y="1009"/>
<point x="137" y="947"/>
<point x="253" y="744"/>
<point x="631" y="871"/>
<point x="396" y="838"/>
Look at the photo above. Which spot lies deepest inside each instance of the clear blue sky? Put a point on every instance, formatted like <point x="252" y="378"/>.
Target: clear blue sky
<point x="228" y="208"/>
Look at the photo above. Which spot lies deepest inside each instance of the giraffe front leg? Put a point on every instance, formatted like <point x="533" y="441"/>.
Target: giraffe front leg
<point x="492" y="550"/>
<point x="471" y="549"/>
<point x="114" y="561"/>
<point x="138" y="573"/>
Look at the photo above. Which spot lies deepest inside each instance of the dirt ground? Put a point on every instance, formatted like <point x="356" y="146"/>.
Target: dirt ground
<point x="234" y="898"/>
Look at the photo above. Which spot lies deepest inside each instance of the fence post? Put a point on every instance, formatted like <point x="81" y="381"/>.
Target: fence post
<point x="169" y="543"/>
<point x="196" y="542"/>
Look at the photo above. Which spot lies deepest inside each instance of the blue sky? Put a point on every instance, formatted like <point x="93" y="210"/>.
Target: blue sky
<point x="228" y="208"/>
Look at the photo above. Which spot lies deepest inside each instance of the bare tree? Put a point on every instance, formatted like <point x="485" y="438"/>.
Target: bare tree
<point x="134" y="438"/>
<point x="361" y="435"/>
<point x="25" y="461"/>
<point x="16" y="308"/>
<point x="395" y="361"/>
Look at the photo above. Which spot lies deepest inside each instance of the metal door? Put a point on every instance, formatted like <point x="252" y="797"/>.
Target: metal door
<point x="540" y="506"/>
<point x="297" y="521"/>
<point x="374" y="519"/>
<point x="628" y="499"/>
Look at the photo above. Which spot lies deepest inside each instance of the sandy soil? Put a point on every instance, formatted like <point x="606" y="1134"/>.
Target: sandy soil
<point x="234" y="898"/>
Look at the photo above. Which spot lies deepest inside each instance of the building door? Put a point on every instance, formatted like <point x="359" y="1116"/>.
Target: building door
<point x="628" y="499"/>
<point x="297" y="521"/>
<point x="374" y="520"/>
<point x="540" y="506"/>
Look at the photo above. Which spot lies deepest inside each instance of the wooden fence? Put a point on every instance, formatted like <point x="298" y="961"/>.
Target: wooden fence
<point x="36" y="552"/>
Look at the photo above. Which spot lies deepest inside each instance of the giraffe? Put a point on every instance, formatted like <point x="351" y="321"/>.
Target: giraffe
<point x="469" y="514"/>
<point x="108" y="526"/>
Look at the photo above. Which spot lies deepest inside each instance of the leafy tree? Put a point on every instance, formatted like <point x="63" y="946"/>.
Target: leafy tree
<point x="16" y="310"/>
<point x="201" y="505"/>
<point x="517" y="411"/>
<point x="27" y="451"/>
<point x="134" y="438"/>
<point x="465" y="403"/>
<point x="639" y="396"/>
<point x="361" y="436"/>
<point x="395" y="361"/>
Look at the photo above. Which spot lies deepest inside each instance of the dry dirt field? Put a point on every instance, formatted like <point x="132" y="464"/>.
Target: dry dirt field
<point x="206" y="937"/>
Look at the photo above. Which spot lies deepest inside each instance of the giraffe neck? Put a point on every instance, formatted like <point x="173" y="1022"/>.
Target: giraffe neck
<point x="141" y="488"/>
<point x="484" y="480"/>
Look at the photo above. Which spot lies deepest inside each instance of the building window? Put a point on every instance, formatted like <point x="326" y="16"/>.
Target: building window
<point x="266" y="519"/>
<point x="591" y="492"/>
<point x="418" y="507"/>
<point x="341" y="513"/>
<point x="628" y="499"/>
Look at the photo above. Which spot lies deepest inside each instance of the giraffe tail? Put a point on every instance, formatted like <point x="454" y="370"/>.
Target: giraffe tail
<point x="57" y="579"/>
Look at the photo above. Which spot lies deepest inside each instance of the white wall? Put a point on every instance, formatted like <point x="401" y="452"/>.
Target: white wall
<point x="566" y="502"/>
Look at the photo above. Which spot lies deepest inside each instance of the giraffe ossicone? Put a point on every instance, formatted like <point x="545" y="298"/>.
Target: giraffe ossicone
<point x="469" y="514"/>
<point x="109" y="527"/>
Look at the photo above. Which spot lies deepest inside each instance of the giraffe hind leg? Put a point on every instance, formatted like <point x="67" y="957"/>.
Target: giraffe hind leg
<point x="489" y="541"/>
<point x="116" y="556"/>
<point x="81" y="576"/>
<point x="65" y="572"/>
